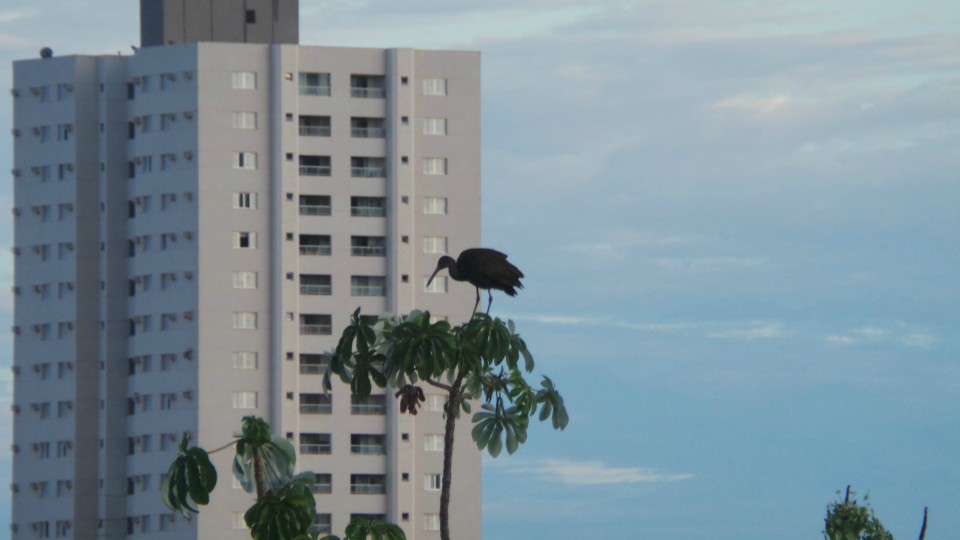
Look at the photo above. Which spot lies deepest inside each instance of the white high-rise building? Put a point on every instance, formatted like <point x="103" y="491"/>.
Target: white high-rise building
<point x="194" y="225"/>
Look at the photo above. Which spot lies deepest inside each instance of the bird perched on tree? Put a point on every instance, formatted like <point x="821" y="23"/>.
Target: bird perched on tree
<point x="483" y="268"/>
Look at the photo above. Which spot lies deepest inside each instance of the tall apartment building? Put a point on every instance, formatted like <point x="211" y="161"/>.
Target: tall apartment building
<point x="194" y="224"/>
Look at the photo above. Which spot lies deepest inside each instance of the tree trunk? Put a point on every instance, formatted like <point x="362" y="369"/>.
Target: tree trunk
<point x="453" y="404"/>
<point x="259" y="477"/>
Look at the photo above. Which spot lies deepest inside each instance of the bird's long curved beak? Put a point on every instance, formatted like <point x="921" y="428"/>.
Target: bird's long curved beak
<point x="434" y="274"/>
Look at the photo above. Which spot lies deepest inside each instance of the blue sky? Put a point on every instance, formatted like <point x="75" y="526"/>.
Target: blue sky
<point x="740" y="226"/>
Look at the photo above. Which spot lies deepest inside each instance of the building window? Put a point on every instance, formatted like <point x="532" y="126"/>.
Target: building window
<point x="368" y="484"/>
<point x="245" y="120"/>
<point x="245" y="320"/>
<point x="245" y="360"/>
<point x="167" y="400"/>
<point x="435" y="402"/>
<point x="315" y="285"/>
<point x="374" y="404"/>
<point x="368" y="206"/>
<point x="432" y="482"/>
<point x="368" y="246"/>
<point x="314" y="84"/>
<point x="167" y="321"/>
<point x="368" y="86"/>
<point x="315" y="404"/>
<point x="315" y="244"/>
<point x="244" y="400"/>
<point x="64" y="132"/>
<point x="315" y="443"/>
<point x="316" y="325"/>
<point x="438" y="285"/>
<point x="251" y="16"/>
<point x="322" y="524"/>
<point x="368" y="167"/>
<point x="146" y="163"/>
<point x="314" y="363"/>
<point x="368" y="286"/>
<point x="323" y="483"/>
<point x="245" y="160"/>
<point x="245" y="199"/>
<point x="365" y="444"/>
<point x="244" y="280"/>
<point x="433" y="443"/>
<point x="435" y="166"/>
<point x="314" y="205"/>
<point x="367" y="128"/>
<point x="40" y="529"/>
<point x="314" y="126"/>
<point x="245" y="240"/>
<point x="244" y="80"/>
<point x="435" y="244"/>
<point x="434" y="87"/>
<point x="434" y="126"/>
<point x="315" y="166"/>
<point x="167" y="120"/>
<point x="431" y="522"/>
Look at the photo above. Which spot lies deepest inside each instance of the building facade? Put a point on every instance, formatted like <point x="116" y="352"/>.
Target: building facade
<point x="194" y="225"/>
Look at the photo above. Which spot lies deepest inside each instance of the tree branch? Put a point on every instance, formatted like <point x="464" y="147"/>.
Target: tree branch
<point x="224" y="447"/>
<point x="440" y="385"/>
<point x="923" y="528"/>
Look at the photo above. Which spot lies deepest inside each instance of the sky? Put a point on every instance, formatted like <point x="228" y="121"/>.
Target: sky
<point x="740" y="227"/>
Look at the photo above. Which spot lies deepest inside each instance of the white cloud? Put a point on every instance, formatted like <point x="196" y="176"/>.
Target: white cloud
<point x="871" y="333"/>
<point x="617" y="244"/>
<point x="918" y="340"/>
<point x="754" y="104"/>
<point x="760" y="331"/>
<point x="582" y="473"/>
<point x="841" y="341"/>
<point x="709" y="264"/>
<point x="11" y="16"/>
<point x="8" y="41"/>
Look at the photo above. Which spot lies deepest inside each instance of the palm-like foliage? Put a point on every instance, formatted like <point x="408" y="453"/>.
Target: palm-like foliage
<point x="477" y="361"/>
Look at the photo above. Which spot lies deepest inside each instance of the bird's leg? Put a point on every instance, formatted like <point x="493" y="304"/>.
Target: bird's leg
<point x="489" y="300"/>
<point x="477" y="303"/>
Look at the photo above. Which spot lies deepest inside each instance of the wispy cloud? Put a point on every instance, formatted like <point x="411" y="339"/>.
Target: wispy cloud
<point x="754" y="104"/>
<point x="752" y="333"/>
<point x="584" y="473"/>
<point x="902" y="335"/>
<point x="918" y="340"/>
<point x="574" y="320"/>
<point x="710" y="264"/>
<point x="841" y="341"/>
<point x="743" y="331"/>
<point x="617" y="244"/>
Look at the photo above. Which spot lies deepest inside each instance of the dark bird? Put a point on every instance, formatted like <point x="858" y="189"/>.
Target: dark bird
<point x="483" y="268"/>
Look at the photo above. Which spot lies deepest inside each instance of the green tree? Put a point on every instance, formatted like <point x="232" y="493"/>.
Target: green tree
<point x="848" y="520"/>
<point x="482" y="360"/>
<point x="264" y="463"/>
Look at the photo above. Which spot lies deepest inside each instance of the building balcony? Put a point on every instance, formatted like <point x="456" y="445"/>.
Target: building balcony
<point x="316" y="449"/>
<point x="316" y="290"/>
<point x="315" y="131"/>
<point x="316" y="329"/>
<point x="368" y="172"/>
<point x="316" y="170"/>
<point x="368" y="290"/>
